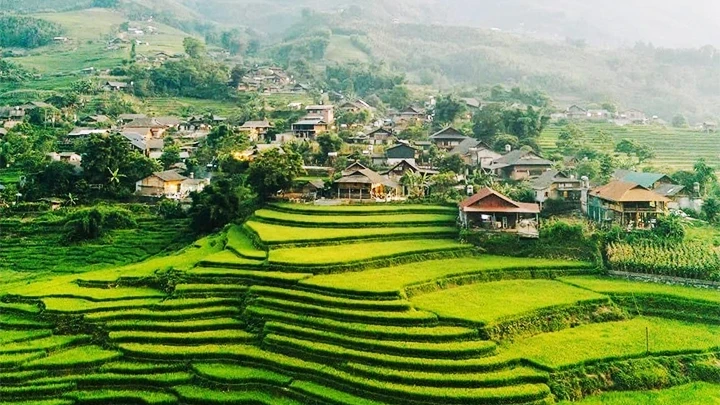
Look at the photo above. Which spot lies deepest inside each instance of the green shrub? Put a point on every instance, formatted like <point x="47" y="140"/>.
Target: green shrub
<point x="93" y="223"/>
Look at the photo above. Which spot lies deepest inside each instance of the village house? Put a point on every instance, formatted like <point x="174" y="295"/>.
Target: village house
<point x="400" y="152"/>
<point x="633" y="116"/>
<point x="471" y="103"/>
<point x="409" y="116"/>
<point x="659" y="183"/>
<point x="378" y="136"/>
<point x="126" y="118"/>
<point x="626" y="204"/>
<point x="326" y="112"/>
<point x="448" y="138"/>
<point x="709" y="126"/>
<point x="520" y="165"/>
<point x="169" y="184"/>
<point x="66" y="157"/>
<point x="256" y="129"/>
<point x="575" y="112"/>
<point x="299" y="88"/>
<point x="15" y="114"/>
<point x="403" y="167"/>
<point x="97" y="119"/>
<point x="253" y="152"/>
<point x="355" y="106"/>
<point x="491" y="211"/>
<point x="309" y="128"/>
<point x="475" y="153"/>
<point x="556" y="185"/>
<point x="150" y="127"/>
<point x="364" y="184"/>
<point x="115" y="86"/>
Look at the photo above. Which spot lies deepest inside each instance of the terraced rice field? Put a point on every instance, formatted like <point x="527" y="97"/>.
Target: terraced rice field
<point x="292" y="310"/>
<point x="664" y="141"/>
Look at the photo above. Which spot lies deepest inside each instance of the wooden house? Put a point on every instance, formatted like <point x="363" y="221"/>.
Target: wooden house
<point x="520" y="165"/>
<point x="626" y="204"/>
<point x="491" y="211"/>
<point x="447" y="138"/>
<point x="364" y="184"/>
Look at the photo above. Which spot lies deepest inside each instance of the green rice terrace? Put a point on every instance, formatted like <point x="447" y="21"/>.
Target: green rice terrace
<point x="351" y="305"/>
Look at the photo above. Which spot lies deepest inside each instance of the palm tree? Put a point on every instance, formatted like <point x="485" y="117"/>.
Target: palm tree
<point x="71" y="200"/>
<point x="115" y="176"/>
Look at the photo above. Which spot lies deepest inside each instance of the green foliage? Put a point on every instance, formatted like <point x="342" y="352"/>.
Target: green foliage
<point x="364" y="80"/>
<point x="194" y="48"/>
<point x="13" y="72"/>
<point x="192" y="77"/>
<point x="447" y="110"/>
<point x="273" y="171"/>
<point x="219" y="204"/>
<point x="27" y="32"/>
<point x="630" y="147"/>
<point x="516" y="95"/>
<point x="93" y="223"/>
<point x="679" y="121"/>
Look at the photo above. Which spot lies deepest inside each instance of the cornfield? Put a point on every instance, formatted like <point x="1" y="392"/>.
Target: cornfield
<point x="689" y="260"/>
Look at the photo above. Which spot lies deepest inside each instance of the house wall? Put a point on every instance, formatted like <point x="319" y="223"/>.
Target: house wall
<point x="524" y="172"/>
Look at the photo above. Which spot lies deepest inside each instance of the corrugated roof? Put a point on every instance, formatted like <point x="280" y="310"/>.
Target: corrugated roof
<point x="620" y="191"/>
<point x="646" y="180"/>
<point x="669" y="190"/>
<point x="514" y="206"/>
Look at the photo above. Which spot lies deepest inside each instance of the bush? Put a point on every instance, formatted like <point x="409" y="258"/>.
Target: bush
<point x="170" y="209"/>
<point x="93" y="223"/>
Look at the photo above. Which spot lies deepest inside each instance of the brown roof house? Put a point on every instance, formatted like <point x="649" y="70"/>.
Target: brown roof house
<point x="256" y="129"/>
<point x="520" y="165"/>
<point x="556" y="185"/>
<point x="626" y="204"/>
<point x="475" y="153"/>
<point x="364" y="184"/>
<point x="169" y="184"/>
<point x="491" y="211"/>
<point x="447" y="138"/>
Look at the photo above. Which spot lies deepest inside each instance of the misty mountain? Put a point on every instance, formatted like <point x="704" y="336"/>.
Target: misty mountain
<point x="667" y="23"/>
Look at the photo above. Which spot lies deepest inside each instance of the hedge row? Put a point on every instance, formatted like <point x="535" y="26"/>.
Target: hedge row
<point x="21" y="322"/>
<point x="174" y="338"/>
<point x="179" y="326"/>
<point x="666" y="306"/>
<point x="363" y="330"/>
<point x="639" y="374"/>
<point x="554" y="319"/>
<point x="324" y="352"/>
<point x="324" y="300"/>
<point x="520" y="375"/>
<point x="445" y="350"/>
<point x="484" y="276"/>
<point x="371" y="317"/>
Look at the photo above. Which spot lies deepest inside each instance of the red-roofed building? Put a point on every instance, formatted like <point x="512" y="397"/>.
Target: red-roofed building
<point x="492" y="211"/>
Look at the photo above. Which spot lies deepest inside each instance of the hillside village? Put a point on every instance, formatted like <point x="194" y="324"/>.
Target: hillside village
<point x="195" y="213"/>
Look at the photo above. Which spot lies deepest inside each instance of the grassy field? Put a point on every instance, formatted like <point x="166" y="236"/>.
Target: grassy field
<point x="615" y="340"/>
<point x="355" y="252"/>
<point x="349" y="220"/>
<point x="618" y="286"/>
<point x="664" y="141"/>
<point x="215" y="323"/>
<point x="341" y="50"/>
<point x="690" y="394"/>
<point x="396" y="278"/>
<point x="491" y="302"/>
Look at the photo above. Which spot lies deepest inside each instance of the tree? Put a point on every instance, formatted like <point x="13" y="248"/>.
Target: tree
<point x="133" y="52"/>
<point x="194" y="48"/>
<point x="170" y="156"/>
<point x="488" y="122"/>
<point x="679" y="121"/>
<point x="329" y="143"/>
<point x="631" y="147"/>
<point x="447" y="110"/>
<point x="711" y="209"/>
<point x="451" y="163"/>
<point x="236" y="75"/>
<point x="704" y="174"/>
<point x="571" y="139"/>
<point x="415" y="183"/>
<point x="220" y="203"/>
<point x="273" y="171"/>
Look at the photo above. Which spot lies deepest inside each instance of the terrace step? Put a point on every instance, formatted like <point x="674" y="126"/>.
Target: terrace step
<point x="193" y="395"/>
<point x="176" y="326"/>
<point x="28" y="391"/>
<point x="170" y="338"/>
<point x="206" y="290"/>
<point x="443" y="350"/>
<point x="148" y="314"/>
<point x="133" y="396"/>
<point x="93" y="380"/>
<point x="371" y="317"/>
<point x="363" y="330"/>
<point x="18" y="322"/>
<point x="46" y="344"/>
<point x="507" y="377"/>
<point x="332" y="353"/>
<point x="330" y="301"/>
<point x="228" y="275"/>
<point x="329" y="395"/>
